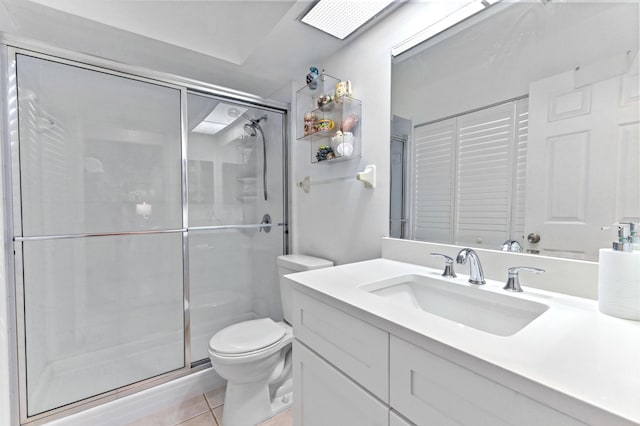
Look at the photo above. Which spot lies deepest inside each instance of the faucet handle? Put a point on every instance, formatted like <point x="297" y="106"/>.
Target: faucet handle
<point x="448" y="265"/>
<point x="516" y="269"/>
<point x="513" y="279"/>
<point x="511" y="245"/>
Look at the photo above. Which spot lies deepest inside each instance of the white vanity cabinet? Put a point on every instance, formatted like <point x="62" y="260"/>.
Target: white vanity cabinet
<point x="571" y="365"/>
<point x="349" y="372"/>
<point x="335" y="358"/>
<point x="358" y="349"/>
<point x="430" y="390"/>
<point x="324" y="396"/>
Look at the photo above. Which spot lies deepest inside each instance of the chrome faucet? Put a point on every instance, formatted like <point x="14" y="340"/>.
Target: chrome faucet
<point x="476" y="275"/>
<point x="511" y="245"/>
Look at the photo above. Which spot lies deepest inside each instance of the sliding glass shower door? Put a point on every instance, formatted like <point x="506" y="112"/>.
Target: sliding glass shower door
<point x="235" y="156"/>
<point x="146" y="218"/>
<point x="99" y="230"/>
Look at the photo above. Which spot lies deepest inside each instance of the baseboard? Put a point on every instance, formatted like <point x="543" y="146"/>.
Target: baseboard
<point x="146" y="402"/>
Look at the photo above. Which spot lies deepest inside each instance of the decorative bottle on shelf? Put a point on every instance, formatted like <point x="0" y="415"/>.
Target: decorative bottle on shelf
<point x="312" y="78"/>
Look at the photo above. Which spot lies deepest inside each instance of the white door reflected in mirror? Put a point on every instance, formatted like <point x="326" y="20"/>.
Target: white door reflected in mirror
<point x="523" y="119"/>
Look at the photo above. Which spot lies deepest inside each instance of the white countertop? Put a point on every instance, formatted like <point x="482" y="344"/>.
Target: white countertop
<point x="571" y="348"/>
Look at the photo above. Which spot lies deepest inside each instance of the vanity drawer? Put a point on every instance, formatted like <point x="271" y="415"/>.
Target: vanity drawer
<point x="430" y="390"/>
<point x="324" y="396"/>
<point x="358" y="349"/>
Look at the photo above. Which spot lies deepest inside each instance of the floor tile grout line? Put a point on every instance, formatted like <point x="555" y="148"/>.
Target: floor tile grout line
<point x="215" y="418"/>
<point x="196" y="415"/>
<point x="218" y="421"/>
<point x="191" y="418"/>
<point x="209" y="403"/>
<point x="213" y="407"/>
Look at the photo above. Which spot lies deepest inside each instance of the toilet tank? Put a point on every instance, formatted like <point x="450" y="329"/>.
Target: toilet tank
<point x="289" y="264"/>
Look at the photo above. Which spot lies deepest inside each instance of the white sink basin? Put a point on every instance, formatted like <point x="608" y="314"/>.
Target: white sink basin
<point x="472" y="306"/>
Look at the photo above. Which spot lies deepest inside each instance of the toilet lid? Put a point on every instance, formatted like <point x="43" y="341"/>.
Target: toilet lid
<point x="246" y="336"/>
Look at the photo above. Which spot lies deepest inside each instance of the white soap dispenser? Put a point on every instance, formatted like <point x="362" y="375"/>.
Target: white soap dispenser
<point x="619" y="277"/>
<point x="634" y="238"/>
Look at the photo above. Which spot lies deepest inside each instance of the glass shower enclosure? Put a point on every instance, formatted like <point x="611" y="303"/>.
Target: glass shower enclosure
<point x="138" y="226"/>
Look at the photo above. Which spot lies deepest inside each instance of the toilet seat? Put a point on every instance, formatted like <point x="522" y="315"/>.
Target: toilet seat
<point x="247" y="337"/>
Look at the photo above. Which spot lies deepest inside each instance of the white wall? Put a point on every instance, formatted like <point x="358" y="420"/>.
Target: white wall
<point x="343" y="221"/>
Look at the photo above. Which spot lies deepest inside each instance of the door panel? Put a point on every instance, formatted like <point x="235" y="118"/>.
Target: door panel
<point x="98" y="152"/>
<point x="234" y="277"/>
<point x="226" y="179"/>
<point x="580" y="136"/>
<point x="100" y="313"/>
<point x="232" y="272"/>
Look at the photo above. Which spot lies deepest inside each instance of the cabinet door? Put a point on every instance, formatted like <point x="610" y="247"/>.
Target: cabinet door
<point x="430" y="390"/>
<point x="324" y="396"/>
<point x="356" y="348"/>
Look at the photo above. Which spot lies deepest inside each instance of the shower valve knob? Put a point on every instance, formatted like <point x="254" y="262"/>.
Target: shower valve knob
<point x="266" y="220"/>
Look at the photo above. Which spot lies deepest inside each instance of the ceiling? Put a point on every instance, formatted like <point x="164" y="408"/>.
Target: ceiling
<point x="254" y="46"/>
<point x="227" y="30"/>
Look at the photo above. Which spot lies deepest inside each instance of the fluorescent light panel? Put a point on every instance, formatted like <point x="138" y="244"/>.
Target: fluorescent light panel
<point x="222" y="115"/>
<point x="209" y="127"/>
<point x="445" y="23"/>
<point x="340" y="18"/>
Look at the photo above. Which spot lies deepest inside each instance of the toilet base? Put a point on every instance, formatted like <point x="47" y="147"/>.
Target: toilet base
<point x="283" y="397"/>
<point x="259" y="383"/>
<point x="248" y="404"/>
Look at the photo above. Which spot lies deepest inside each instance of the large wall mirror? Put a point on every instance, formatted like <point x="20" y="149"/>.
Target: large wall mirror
<point x="520" y="124"/>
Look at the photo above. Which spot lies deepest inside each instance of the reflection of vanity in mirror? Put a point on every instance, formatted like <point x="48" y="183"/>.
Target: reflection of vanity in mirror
<point x="529" y="132"/>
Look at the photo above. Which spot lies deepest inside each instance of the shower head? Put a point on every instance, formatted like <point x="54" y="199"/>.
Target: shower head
<point x="252" y="128"/>
<point x="254" y="123"/>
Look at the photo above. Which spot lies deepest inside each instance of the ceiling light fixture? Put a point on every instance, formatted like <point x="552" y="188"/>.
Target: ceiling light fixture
<point x="466" y="11"/>
<point x="219" y="118"/>
<point x="340" y="18"/>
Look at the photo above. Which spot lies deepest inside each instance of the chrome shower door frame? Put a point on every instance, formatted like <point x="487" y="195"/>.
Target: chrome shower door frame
<point x="10" y="47"/>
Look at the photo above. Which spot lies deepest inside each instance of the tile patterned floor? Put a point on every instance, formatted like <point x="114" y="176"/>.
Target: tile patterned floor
<point x="203" y="410"/>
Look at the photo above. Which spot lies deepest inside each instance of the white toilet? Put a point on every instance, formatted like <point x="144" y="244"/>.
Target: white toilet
<point x="255" y="356"/>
